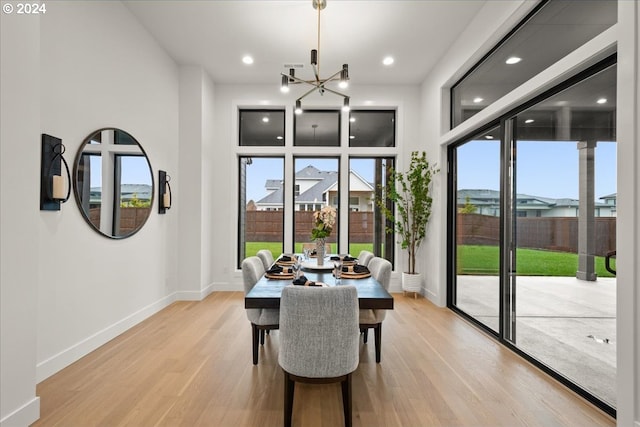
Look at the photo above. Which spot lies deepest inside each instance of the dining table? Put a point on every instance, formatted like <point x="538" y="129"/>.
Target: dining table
<point x="371" y="294"/>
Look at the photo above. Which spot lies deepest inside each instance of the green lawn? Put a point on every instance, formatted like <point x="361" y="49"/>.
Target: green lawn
<point x="475" y="259"/>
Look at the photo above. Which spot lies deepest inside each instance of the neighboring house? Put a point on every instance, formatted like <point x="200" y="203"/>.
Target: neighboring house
<point x="127" y="192"/>
<point x="487" y="202"/>
<point x="314" y="189"/>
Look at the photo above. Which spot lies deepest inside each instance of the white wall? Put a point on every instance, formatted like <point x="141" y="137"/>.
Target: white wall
<point x="231" y="97"/>
<point x="65" y="288"/>
<point x="100" y="68"/>
<point x="628" y="215"/>
<point x="198" y="158"/>
<point x="19" y="204"/>
<point x="469" y="48"/>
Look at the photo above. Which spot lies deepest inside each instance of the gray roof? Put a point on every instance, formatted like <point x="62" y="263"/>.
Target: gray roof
<point x="273" y="184"/>
<point x="274" y="198"/>
<point x="484" y="197"/>
<point x="314" y="194"/>
<point x="325" y="179"/>
<point x="127" y="191"/>
<point x="610" y="196"/>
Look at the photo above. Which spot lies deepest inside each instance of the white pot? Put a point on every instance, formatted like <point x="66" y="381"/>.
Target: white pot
<point x="411" y="282"/>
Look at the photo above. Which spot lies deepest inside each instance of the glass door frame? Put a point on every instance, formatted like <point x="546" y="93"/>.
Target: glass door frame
<point x="507" y="325"/>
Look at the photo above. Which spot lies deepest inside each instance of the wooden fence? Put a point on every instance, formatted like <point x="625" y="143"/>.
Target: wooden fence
<point x="552" y="233"/>
<point x="267" y="226"/>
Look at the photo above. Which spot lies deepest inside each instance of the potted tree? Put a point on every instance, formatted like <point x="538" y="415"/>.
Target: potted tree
<point x="410" y="192"/>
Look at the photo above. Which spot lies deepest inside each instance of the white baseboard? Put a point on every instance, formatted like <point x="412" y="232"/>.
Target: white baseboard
<point x="24" y="416"/>
<point x="50" y="366"/>
<point x="193" y="295"/>
<point x="226" y="287"/>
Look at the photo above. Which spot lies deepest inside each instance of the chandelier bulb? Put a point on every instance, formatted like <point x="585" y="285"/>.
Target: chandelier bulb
<point x="284" y="86"/>
<point x="345" y="105"/>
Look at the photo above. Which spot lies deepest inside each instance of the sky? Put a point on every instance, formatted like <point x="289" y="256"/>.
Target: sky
<point x="135" y="170"/>
<point x="545" y="169"/>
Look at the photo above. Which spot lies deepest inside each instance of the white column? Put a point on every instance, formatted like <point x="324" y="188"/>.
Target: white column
<point x="586" y="211"/>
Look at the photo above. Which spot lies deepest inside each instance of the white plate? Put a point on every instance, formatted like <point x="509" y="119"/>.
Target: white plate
<point x="313" y="265"/>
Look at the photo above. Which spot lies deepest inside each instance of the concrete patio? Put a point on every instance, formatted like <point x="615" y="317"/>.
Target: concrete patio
<point x="566" y="323"/>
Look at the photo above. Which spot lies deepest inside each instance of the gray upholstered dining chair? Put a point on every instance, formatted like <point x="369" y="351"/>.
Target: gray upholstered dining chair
<point x="318" y="340"/>
<point x="365" y="257"/>
<point x="380" y="270"/>
<point x="262" y="319"/>
<point x="267" y="258"/>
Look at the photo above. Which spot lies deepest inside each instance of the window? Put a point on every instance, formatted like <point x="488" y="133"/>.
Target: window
<point x="262" y="128"/>
<point x="372" y="128"/>
<point x="549" y="33"/>
<point x="261" y="217"/>
<point x="318" y="180"/>
<point x="270" y="208"/>
<point x="316" y="128"/>
<point x="366" y="223"/>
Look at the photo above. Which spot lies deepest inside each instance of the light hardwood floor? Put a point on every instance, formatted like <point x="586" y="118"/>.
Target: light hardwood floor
<point x="190" y="365"/>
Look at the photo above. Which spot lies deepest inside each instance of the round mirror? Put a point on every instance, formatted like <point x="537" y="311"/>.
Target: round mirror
<point x="113" y="183"/>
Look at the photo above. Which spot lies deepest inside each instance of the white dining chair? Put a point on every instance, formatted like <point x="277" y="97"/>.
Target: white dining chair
<point x="380" y="270"/>
<point x="266" y="257"/>
<point x="365" y="257"/>
<point x="262" y="319"/>
<point x="318" y="340"/>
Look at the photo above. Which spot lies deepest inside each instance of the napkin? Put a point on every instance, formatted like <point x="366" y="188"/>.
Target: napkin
<point x="276" y="269"/>
<point x="348" y="258"/>
<point x="300" y="281"/>
<point x="335" y="258"/>
<point x="285" y="258"/>
<point x="360" y="269"/>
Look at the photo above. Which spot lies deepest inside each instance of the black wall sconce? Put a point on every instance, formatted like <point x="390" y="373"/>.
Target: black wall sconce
<point x="52" y="184"/>
<point x="164" y="192"/>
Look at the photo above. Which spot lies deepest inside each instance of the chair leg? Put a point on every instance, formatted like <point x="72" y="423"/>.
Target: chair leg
<point x="289" y="388"/>
<point x="254" y="342"/>
<point x="346" y="400"/>
<point x="365" y="334"/>
<point x="261" y="336"/>
<point x="378" y="338"/>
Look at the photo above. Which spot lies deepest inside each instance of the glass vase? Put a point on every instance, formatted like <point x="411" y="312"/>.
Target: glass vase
<point x="320" y="246"/>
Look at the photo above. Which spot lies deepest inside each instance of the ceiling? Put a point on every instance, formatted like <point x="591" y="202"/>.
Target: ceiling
<point x="217" y="34"/>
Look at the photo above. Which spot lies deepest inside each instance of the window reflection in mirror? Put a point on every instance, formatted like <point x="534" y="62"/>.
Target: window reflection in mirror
<point x="113" y="183"/>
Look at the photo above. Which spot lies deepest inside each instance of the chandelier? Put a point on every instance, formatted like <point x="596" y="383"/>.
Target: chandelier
<point x="317" y="83"/>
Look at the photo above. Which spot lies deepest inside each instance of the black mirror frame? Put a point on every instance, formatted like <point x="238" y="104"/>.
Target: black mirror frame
<point x="76" y="190"/>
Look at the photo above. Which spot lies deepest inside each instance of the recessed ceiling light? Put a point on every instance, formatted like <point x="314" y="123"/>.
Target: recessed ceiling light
<point x="388" y="60"/>
<point x="352" y="137"/>
<point x="247" y="60"/>
<point x="279" y="137"/>
<point x="529" y="121"/>
<point x="265" y="119"/>
<point x="488" y="136"/>
<point x="513" y="60"/>
<point x="478" y="99"/>
<point x="352" y="119"/>
<point x="602" y="101"/>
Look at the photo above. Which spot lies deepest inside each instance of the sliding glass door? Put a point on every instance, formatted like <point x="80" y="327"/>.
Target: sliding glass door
<point x="477" y="213"/>
<point x="533" y="215"/>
